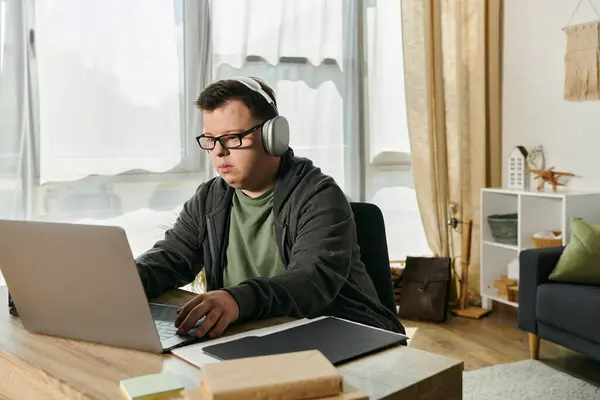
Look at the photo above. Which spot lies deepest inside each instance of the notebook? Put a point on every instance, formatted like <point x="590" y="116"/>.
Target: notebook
<point x="340" y="341"/>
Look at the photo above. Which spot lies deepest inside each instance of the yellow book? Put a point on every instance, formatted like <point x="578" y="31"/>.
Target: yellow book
<point x="152" y="387"/>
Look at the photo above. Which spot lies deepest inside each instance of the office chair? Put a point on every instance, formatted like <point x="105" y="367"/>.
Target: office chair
<point x="370" y="229"/>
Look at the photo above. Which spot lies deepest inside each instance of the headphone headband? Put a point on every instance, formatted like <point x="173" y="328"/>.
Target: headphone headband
<point x="255" y="86"/>
<point x="275" y="131"/>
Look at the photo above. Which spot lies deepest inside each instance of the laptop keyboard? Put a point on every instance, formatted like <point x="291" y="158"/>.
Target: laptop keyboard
<point x="165" y="329"/>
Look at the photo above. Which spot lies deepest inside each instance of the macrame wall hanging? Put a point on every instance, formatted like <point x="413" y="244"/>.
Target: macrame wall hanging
<point x="582" y="58"/>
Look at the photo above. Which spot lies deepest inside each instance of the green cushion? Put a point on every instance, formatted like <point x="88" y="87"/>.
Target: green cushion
<point x="580" y="260"/>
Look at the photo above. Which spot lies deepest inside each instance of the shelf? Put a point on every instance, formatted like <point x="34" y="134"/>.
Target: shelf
<point x="501" y="245"/>
<point x="558" y="194"/>
<point x="493" y="203"/>
<point x="540" y="214"/>
<point x="536" y="211"/>
<point x="500" y="299"/>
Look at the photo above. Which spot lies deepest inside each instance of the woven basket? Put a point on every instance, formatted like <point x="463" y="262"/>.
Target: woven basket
<point x="504" y="228"/>
<point x="547" y="242"/>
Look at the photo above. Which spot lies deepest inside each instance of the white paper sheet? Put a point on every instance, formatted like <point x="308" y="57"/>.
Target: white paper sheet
<point x="196" y="356"/>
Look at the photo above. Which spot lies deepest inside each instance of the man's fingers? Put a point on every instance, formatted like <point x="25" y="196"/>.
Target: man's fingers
<point x="193" y="316"/>
<point x="209" y="322"/>
<point x="219" y="327"/>
<point x="185" y="310"/>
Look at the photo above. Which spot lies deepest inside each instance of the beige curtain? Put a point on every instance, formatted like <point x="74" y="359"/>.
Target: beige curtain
<point x="452" y="56"/>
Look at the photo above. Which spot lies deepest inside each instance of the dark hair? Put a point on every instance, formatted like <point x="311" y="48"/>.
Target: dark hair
<point x="217" y="94"/>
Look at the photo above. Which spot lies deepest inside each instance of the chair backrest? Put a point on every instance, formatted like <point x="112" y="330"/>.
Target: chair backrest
<point x="370" y="229"/>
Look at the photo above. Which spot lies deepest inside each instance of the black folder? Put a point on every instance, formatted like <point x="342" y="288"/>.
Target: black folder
<point x="339" y="340"/>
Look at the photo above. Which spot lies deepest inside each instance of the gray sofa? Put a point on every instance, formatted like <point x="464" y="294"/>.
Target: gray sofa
<point x="563" y="313"/>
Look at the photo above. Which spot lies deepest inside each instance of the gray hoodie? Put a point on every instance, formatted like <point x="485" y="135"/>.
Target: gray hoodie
<point x="316" y="237"/>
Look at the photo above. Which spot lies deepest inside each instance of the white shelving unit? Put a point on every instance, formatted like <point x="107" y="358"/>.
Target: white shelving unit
<point x="537" y="211"/>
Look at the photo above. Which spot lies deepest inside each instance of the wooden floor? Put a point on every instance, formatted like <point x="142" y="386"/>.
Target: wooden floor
<point x="495" y="339"/>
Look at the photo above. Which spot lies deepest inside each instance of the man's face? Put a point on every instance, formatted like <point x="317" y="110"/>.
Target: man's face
<point x="241" y="166"/>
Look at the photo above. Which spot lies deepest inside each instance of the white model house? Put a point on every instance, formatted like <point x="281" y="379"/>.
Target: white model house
<point x="518" y="177"/>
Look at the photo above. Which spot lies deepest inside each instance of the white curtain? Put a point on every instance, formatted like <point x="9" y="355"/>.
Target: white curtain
<point x="16" y="158"/>
<point x="307" y="51"/>
<point x="15" y="145"/>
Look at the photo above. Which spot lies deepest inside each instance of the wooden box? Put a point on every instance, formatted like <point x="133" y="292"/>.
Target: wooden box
<point x="502" y="285"/>
<point x="513" y="293"/>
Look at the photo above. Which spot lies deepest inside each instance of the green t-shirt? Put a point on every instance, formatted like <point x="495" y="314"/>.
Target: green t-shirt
<point x="252" y="249"/>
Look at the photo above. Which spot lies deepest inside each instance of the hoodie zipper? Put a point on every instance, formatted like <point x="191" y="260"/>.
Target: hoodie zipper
<point x="284" y="246"/>
<point x="213" y="251"/>
<point x="281" y="240"/>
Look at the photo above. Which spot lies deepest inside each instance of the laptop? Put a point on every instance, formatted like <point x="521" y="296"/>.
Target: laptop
<point x="81" y="282"/>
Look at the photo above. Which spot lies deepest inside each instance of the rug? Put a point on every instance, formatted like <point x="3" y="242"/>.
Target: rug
<point x="524" y="380"/>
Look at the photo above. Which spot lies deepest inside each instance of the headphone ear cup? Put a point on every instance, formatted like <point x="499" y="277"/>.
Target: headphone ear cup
<point x="276" y="136"/>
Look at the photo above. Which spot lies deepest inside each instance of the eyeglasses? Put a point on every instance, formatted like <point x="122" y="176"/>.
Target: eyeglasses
<point x="229" y="141"/>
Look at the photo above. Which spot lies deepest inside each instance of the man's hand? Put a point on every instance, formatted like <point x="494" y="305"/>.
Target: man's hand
<point x="219" y="308"/>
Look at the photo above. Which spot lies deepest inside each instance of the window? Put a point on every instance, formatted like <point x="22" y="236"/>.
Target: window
<point x="389" y="178"/>
<point x="310" y="52"/>
<point x="307" y="51"/>
<point x="110" y="78"/>
<point x="99" y="99"/>
<point x="114" y="90"/>
<point x="388" y="126"/>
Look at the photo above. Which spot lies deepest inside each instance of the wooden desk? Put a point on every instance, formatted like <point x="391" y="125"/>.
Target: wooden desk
<point x="34" y="366"/>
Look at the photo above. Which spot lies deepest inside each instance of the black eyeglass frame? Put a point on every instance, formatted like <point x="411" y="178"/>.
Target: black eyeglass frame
<point x="220" y="139"/>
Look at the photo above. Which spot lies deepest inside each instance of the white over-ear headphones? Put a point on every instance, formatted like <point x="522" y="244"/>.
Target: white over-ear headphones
<point x="275" y="131"/>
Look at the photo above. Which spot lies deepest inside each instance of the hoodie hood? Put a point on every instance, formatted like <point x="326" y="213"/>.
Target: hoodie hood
<point x="292" y="172"/>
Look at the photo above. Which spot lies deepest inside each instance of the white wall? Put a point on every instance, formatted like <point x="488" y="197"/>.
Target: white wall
<point x="534" y="111"/>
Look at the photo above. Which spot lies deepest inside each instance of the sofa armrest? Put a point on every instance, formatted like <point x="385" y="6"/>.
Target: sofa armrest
<point x="535" y="265"/>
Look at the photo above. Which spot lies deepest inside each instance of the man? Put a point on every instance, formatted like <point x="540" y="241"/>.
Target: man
<point x="275" y="236"/>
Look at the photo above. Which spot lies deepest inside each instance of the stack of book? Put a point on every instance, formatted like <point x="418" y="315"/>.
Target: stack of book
<point x="301" y="375"/>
